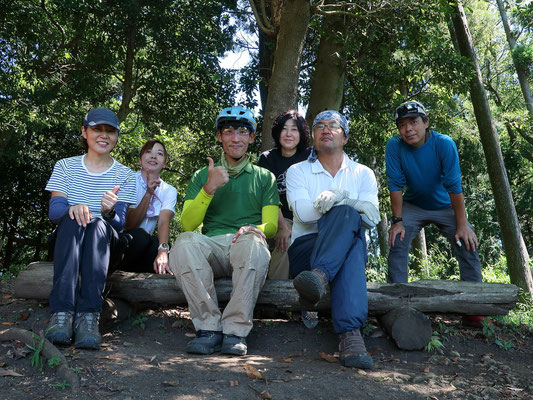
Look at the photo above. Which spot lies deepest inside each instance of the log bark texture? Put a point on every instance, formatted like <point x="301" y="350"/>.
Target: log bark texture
<point x="409" y="328"/>
<point x="472" y="298"/>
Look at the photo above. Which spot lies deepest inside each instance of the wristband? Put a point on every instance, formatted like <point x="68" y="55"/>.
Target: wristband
<point x="395" y="219"/>
<point x="110" y="215"/>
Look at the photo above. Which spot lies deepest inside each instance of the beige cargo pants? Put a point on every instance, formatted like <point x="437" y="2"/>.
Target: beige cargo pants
<point x="196" y="260"/>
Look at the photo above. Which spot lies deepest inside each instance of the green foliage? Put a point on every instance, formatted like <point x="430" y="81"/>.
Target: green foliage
<point x="62" y="385"/>
<point x="37" y="348"/>
<point x="523" y="56"/>
<point x="54" y="361"/>
<point x="434" y="344"/>
<point x="504" y="345"/>
<point x="139" y="321"/>
<point x="154" y="63"/>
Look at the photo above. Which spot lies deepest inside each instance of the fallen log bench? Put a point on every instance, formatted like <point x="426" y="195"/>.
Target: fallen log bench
<point x="427" y="296"/>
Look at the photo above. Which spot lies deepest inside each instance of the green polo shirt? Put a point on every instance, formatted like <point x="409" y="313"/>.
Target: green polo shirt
<point x="239" y="202"/>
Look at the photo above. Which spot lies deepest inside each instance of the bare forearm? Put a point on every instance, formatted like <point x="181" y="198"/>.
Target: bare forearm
<point x="396" y="200"/>
<point x="137" y="214"/>
<point x="458" y="205"/>
<point x="163" y="225"/>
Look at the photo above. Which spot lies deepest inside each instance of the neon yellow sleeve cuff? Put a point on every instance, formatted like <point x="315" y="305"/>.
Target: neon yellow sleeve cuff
<point x="194" y="211"/>
<point x="269" y="217"/>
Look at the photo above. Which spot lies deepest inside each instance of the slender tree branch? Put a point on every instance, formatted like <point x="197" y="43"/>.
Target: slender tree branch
<point x="262" y="22"/>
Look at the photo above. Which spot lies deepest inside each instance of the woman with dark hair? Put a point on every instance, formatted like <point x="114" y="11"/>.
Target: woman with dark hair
<point x="155" y="207"/>
<point x="291" y="136"/>
<point x="90" y="196"/>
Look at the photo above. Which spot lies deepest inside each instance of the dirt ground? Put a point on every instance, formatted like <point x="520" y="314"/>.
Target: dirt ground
<point x="143" y="357"/>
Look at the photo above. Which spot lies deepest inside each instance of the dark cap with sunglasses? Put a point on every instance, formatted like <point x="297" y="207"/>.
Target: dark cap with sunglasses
<point x="409" y="109"/>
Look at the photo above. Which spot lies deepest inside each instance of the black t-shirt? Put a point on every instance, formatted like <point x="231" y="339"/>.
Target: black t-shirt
<point x="278" y="165"/>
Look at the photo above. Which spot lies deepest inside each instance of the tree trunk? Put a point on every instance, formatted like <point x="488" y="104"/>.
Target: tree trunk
<point x="383" y="236"/>
<point x="419" y="251"/>
<point x="472" y="298"/>
<point x="513" y="243"/>
<point x="522" y="75"/>
<point x="267" y="49"/>
<point x="283" y="84"/>
<point x="127" y="83"/>
<point x="327" y="84"/>
<point x="10" y="240"/>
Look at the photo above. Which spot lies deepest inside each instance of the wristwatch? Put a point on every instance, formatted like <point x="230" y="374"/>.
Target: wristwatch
<point x="163" y="246"/>
<point x="395" y="219"/>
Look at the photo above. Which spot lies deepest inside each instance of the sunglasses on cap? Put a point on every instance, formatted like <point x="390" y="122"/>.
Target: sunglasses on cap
<point x="409" y="108"/>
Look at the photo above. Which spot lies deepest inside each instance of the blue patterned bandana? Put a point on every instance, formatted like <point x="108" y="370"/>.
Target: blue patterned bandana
<point x="332" y="115"/>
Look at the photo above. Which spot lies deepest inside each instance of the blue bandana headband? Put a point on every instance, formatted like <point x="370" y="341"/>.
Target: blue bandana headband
<point x="325" y="116"/>
<point x="335" y="116"/>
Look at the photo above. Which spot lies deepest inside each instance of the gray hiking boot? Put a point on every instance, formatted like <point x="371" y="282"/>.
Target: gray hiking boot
<point x="233" y="344"/>
<point x="205" y="342"/>
<point x="86" y="331"/>
<point x="311" y="286"/>
<point x="59" y="329"/>
<point x="352" y="351"/>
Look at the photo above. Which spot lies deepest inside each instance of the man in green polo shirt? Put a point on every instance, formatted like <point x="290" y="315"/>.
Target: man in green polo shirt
<point x="238" y="204"/>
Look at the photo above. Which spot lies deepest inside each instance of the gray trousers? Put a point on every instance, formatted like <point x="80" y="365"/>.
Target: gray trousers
<point x="196" y="260"/>
<point x="414" y="219"/>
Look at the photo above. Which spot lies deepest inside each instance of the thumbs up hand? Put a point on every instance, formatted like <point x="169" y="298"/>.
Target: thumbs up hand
<point x="216" y="178"/>
<point x="109" y="199"/>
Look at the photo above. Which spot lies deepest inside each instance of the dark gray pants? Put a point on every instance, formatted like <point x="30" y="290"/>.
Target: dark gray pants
<point x="414" y="219"/>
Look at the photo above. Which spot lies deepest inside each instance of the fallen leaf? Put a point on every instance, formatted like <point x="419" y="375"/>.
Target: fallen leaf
<point x="27" y="390"/>
<point x="152" y="359"/>
<point x="426" y="369"/>
<point x="328" y="357"/>
<point x="127" y="344"/>
<point x="170" y="383"/>
<point x="9" y="323"/>
<point x="265" y="395"/>
<point x="3" y="364"/>
<point x="18" y="353"/>
<point x="8" y="372"/>
<point x="361" y="372"/>
<point x="110" y="358"/>
<point x="24" y="316"/>
<point x="252" y="372"/>
<point x="6" y="296"/>
<point x="190" y="334"/>
<point x="287" y="360"/>
<point x="233" y="383"/>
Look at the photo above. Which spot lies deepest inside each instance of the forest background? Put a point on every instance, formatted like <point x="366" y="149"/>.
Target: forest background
<point x="157" y="64"/>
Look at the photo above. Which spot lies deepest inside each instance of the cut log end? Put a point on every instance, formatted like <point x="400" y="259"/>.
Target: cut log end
<point x="409" y="328"/>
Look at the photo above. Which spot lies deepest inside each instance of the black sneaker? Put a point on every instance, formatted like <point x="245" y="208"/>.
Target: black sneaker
<point x="233" y="344"/>
<point x="59" y="329"/>
<point x="87" y="331"/>
<point x="205" y="342"/>
<point x="311" y="286"/>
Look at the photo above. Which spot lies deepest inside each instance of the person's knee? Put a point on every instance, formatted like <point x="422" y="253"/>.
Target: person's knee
<point x="186" y="239"/>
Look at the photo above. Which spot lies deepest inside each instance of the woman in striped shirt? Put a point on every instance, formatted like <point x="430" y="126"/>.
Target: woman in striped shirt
<point x="90" y="195"/>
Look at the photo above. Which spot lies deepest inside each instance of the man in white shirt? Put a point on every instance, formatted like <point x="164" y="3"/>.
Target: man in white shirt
<point x="333" y="199"/>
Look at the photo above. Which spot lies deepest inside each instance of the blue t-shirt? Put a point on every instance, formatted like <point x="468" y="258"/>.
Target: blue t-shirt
<point x="428" y="173"/>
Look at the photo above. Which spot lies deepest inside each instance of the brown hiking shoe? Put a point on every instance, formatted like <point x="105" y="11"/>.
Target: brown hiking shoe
<point x="311" y="286"/>
<point x="352" y="351"/>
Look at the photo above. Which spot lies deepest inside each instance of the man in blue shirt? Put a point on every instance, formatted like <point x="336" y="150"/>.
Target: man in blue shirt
<point x="426" y="164"/>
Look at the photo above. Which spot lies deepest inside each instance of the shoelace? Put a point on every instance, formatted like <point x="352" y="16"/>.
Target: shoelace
<point x="61" y="319"/>
<point x="89" y="321"/>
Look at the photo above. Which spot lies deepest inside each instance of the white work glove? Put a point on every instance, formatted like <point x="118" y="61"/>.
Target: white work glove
<point x="364" y="207"/>
<point x="328" y="198"/>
